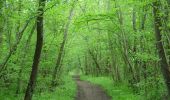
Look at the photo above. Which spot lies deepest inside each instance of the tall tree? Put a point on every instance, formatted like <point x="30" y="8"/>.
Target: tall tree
<point x="39" y="44"/>
<point x="53" y="83"/>
<point x="24" y="59"/>
<point x="158" y="29"/>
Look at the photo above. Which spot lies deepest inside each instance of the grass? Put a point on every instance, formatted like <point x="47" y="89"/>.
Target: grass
<point x="67" y="91"/>
<point x="117" y="92"/>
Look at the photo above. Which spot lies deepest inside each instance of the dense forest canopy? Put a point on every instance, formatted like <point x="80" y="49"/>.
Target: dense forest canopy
<point x="121" y="45"/>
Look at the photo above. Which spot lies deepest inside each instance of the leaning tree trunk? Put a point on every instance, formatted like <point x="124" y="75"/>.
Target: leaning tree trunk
<point x="14" y="47"/>
<point x="54" y="75"/>
<point x="160" y="48"/>
<point x="26" y="49"/>
<point x="39" y="44"/>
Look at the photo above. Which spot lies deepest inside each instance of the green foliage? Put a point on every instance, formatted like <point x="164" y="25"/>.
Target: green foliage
<point x="66" y="91"/>
<point x="107" y="38"/>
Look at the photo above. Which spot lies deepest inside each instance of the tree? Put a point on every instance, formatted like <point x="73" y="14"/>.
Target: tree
<point x="23" y="60"/>
<point x="60" y="54"/>
<point x="39" y="44"/>
<point x="159" y="42"/>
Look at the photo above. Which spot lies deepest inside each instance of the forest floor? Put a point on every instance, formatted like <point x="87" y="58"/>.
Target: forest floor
<point x="88" y="91"/>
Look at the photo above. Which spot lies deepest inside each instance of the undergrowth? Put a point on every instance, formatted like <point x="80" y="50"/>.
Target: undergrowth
<point x="65" y="91"/>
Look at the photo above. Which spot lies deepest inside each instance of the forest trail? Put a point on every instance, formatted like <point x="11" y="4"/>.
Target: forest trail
<point x="88" y="91"/>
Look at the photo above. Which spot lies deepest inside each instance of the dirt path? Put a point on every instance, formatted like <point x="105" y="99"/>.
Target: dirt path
<point x="88" y="91"/>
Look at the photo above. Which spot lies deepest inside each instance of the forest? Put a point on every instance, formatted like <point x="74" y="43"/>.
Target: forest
<point x="84" y="49"/>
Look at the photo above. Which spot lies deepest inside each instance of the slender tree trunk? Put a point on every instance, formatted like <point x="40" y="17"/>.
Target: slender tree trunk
<point x="114" y="69"/>
<point x="142" y="63"/>
<point x="39" y="44"/>
<point x="54" y="75"/>
<point x="167" y="30"/>
<point x="23" y="60"/>
<point x="19" y="20"/>
<point x="86" y="65"/>
<point x="135" y="50"/>
<point x="124" y="41"/>
<point x="135" y="45"/>
<point x="96" y="62"/>
<point x="14" y="47"/>
<point x="1" y="20"/>
<point x="163" y="62"/>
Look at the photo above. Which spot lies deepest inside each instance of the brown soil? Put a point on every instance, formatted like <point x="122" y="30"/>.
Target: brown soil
<point x="88" y="91"/>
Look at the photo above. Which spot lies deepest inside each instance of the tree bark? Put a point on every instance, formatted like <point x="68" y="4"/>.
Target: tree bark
<point x="54" y="75"/>
<point x="39" y="44"/>
<point x="158" y="29"/>
<point x="23" y="60"/>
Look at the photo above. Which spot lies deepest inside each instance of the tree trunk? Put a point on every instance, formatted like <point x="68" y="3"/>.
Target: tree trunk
<point x="160" y="48"/>
<point x="23" y="60"/>
<point x="96" y="62"/>
<point x="167" y="30"/>
<point x="125" y="45"/>
<point x="53" y="83"/>
<point x="19" y="20"/>
<point x="14" y="47"/>
<point x="1" y="20"/>
<point x="39" y="44"/>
